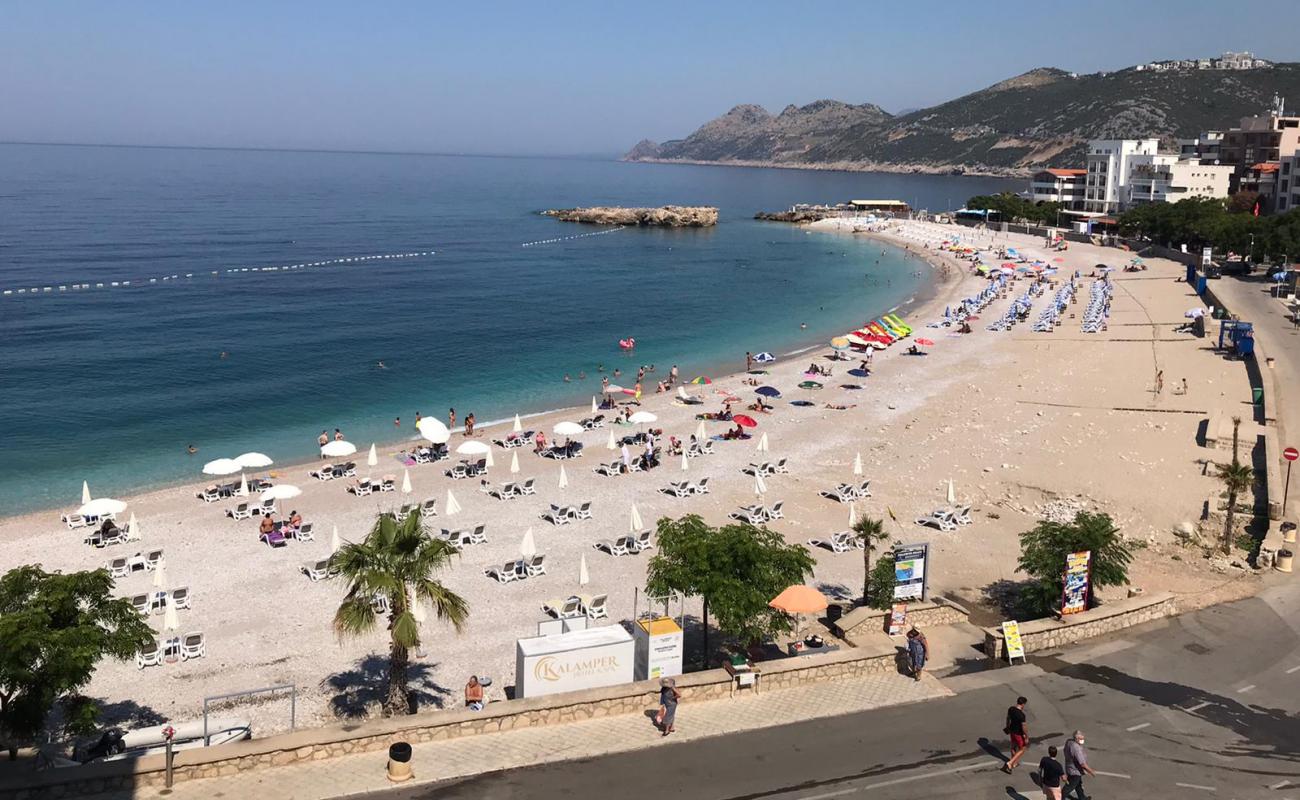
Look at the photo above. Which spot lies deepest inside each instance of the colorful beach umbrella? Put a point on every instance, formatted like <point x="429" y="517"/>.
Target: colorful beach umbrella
<point x="925" y="342"/>
<point x="799" y="600"/>
<point x="840" y="343"/>
<point x="702" y="379"/>
<point x="745" y="421"/>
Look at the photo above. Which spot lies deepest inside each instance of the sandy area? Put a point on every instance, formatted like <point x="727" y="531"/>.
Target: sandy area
<point x="1017" y="419"/>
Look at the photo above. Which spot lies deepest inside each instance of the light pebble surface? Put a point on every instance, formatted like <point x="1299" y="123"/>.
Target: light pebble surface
<point x="1014" y="418"/>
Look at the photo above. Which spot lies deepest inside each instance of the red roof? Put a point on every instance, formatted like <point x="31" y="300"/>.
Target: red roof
<point x="1068" y="173"/>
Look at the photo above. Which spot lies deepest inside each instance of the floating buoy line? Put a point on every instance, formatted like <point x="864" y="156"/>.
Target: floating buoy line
<point x="575" y="236"/>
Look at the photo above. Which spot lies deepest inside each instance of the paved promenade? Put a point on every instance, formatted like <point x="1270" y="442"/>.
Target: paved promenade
<point x="437" y="761"/>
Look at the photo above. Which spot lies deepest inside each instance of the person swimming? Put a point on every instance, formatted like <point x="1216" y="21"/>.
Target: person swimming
<point x="191" y="449"/>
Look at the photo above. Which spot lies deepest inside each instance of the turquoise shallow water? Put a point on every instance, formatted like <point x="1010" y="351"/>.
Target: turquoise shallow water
<point x="110" y="384"/>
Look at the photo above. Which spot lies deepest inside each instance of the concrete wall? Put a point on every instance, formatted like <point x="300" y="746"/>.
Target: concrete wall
<point x="1045" y="634"/>
<point x="337" y="740"/>
<point x="856" y="626"/>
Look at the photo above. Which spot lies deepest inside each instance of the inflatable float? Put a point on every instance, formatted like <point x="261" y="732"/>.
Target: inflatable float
<point x="627" y="344"/>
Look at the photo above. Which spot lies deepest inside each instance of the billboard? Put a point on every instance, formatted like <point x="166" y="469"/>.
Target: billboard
<point x="1078" y="581"/>
<point x="910" y="564"/>
<point x="570" y="662"/>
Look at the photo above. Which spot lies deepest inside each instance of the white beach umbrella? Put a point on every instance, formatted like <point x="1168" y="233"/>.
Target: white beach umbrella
<point x="514" y="463"/>
<point x="857" y="464"/>
<point x="85" y="492"/>
<point x="642" y="418"/>
<point x="476" y="448"/>
<point x="594" y="407"/>
<point x="433" y="430"/>
<point x="700" y="433"/>
<point x="254" y="460"/>
<point x="528" y="547"/>
<point x="133" y="529"/>
<point x="335" y="541"/>
<point x="281" y="491"/>
<point x="222" y="466"/>
<point x="243" y="485"/>
<point x="635" y="520"/>
<point x="406" y="481"/>
<point x="564" y="478"/>
<point x="760" y="487"/>
<point x="952" y="492"/>
<point x="372" y="458"/>
<point x="101" y="506"/>
<point x="171" y="620"/>
<point x="762" y="443"/>
<point x="686" y="464"/>
<point x="160" y="577"/>
<point x="338" y="448"/>
<point x="519" y="424"/>
<point x="567" y="428"/>
<point x="611" y="445"/>
<point x="853" y="515"/>
<point x="584" y="577"/>
<point x="451" y="506"/>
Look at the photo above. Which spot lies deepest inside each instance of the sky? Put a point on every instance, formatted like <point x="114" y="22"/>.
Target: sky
<point x="562" y="78"/>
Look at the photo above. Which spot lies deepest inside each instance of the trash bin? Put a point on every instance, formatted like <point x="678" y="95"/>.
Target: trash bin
<point x="1284" y="558"/>
<point x="399" y="762"/>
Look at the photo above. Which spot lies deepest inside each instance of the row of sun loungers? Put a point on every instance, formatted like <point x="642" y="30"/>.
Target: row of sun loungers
<point x="518" y="570"/>
<point x="467" y="469"/>
<point x="465" y="536"/>
<point x="281" y="535"/>
<point x="563" y="515"/>
<point x="247" y="510"/>
<point x="189" y="646"/>
<point x="366" y="486"/>
<point x="758" y="514"/>
<point x="1018" y="311"/>
<point x="592" y="423"/>
<point x="841" y="542"/>
<point x="696" y="449"/>
<point x="767" y="468"/>
<point x="213" y="493"/>
<point x="123" y="566"/>
<point x="628" y="545"/>
<point x="1094" y="317"/>
<point x="947" y="519"/>
<point x="1051" y="316"/>
<point x="618" y="467"/>
<point x="687" y="488"/>
<point x="515" y="440"/>
<point x="590" y="606"/>
<point x="847" y="492"/>
<point x="74" y="521"/>
<point x="429" y="508"/>
<point x="562" y="452"/>
<point x="508" y="491"/>
<point x="428" y="455"/>
<point x="330" y="472"/>
<point x="151" y="602"/>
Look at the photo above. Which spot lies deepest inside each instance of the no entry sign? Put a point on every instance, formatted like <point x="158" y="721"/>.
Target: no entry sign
<point x="1291" y="454"/>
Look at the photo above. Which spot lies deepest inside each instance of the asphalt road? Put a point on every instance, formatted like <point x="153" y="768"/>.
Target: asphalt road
<point x="1204" y="705"/>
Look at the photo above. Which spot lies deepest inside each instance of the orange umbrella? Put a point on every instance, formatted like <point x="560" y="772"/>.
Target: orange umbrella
<point x="799" y="599"/>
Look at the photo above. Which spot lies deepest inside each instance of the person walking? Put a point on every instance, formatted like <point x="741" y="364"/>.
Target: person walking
<point x="668" y="697"/>
<point x="1050" y="775"/>
<point x="1076" y="766"/>
<point x="917" y="652"/>
<point x="1018" y="730"/>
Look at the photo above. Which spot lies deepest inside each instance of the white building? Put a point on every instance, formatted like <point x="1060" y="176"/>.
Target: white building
<point x="1163" y="178"/>
<point x="1064" y="186"/>
<point x="1288" y="186"/>
<point x="1106" y="185"/>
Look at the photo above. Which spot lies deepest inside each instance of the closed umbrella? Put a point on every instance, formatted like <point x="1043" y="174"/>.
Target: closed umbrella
<point x="254" y="460"/>
<point x="700" y="433"/>
<point x="338" y="449"/>
<point x="222" y="466"/>
<point x="433" y="430"/>
<point x="243" y="485"/>
<point x="514" y="463"/>
<point x="519" y="424"/>
<point x="584" y="577"/>
<point x="762" y="443"/>
<point x="564" y="478"/>
<point x="171" y="621"/>
<point x="686" y="464"/>
<point x="635" y="520"/>
<point x="528" y="547"/>
<point x="101" y="507"/>
<point x="85" y="492"/>
<point x="594" y="408"/>
<point x="133" y="529"/>
<point x="760" y="487"/>
<point x="857" y="464"/>
<point x="372" y="460"/>
<point x="853" y="515"/>
<point x="451" y="506"/>
<point x="952" y="492"/>
<point x="335" y="541"/>
<point x="160" y="577"/>
<point x="567" y="428"/>
<point x="611" y="444"/>
<point x="406" y="481"/>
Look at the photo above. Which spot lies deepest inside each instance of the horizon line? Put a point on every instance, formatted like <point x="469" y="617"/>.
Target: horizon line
<point x="343" y="151"/>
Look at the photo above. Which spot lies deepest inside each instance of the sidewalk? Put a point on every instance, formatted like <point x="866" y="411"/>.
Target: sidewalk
<point x="437" y="761"/>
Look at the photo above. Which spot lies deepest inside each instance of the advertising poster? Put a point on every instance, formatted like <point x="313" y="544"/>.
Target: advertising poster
<point x="1011" y="635"/>
<point x="910" y="564"/>
<point x="897" y="618"/>
<point x="1078" y="579"/>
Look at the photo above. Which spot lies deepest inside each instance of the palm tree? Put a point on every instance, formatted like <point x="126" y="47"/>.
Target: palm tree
<point x="871" y="533"/>
<point x="1237" y="478"/>
<point x="396" y="562"/>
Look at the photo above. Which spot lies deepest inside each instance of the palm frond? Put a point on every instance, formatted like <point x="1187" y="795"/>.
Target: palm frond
<point x="355" y="616"/>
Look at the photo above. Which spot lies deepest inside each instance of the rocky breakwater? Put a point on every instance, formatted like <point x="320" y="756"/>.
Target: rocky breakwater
<point x="666" y="217"/>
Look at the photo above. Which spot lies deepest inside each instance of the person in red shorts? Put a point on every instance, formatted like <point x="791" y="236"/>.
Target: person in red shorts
<point x="1018" y="732"/>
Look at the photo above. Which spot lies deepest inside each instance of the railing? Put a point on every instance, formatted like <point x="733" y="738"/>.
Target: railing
<point x="266" y="690"/>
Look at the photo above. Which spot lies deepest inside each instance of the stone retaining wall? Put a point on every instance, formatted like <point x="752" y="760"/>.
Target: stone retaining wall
<point x="1045" y="634"/>
<point x="854" y="626"/>
<point x="337" y="740"/>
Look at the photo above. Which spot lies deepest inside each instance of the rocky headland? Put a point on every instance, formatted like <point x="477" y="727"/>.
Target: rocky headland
<point x="666" y="216"/>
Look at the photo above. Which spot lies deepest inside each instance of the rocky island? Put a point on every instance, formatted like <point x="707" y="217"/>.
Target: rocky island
<point x="667" y="216"/>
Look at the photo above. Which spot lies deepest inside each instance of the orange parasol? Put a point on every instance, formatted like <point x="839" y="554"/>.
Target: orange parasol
<point x="799" y="599"/>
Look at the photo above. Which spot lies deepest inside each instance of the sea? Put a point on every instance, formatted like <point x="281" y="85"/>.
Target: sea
<point x="239" y="300"/>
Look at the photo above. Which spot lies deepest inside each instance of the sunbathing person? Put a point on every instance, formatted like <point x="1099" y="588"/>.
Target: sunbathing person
<point x="539" y="442"/>
<point x="266" y="525"/>
<point x="295" y="520"/>
<point x="674" y="446"/>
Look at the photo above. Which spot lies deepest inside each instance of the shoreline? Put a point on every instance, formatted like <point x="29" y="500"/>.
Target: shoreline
<point x="884" y="167"/>
<point x="913" y="304"/>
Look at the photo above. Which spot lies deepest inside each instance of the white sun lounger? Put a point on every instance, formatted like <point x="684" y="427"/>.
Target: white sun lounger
<point x="844" y="493"/>
<point x="179" y="597"/>
<point x="621" y="546"/>
<point x="941" y="519"/>
<point x="594" y="606"/>
<point x="193" y="646"/>
<point x="558" y="515"/>
<point x="507" y="572"/>
<point x="566" y="608"/>
<point x="535" y="566"/>
<point x="148" y="656"/>
<point x="316" y="570"/>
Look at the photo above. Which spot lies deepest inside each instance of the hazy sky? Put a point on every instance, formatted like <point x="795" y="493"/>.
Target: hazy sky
<point x="560" y="77"/>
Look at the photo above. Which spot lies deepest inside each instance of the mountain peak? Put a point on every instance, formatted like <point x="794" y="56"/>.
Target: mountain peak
<point x="1038" y="76"/>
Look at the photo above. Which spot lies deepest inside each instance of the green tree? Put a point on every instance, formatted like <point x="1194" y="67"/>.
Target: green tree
<point x="883" y="580"/>
<point x="735" y="570"/>
<point x="871" y="535"/>
<point x="396" y="561"/>
<point x="1014" y="208"/>
<point x="1044" y="548"/>
<point x="1237" y="478"/>
<point x="54" y="630"/>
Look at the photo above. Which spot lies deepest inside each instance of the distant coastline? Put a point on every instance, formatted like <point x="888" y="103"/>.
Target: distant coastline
<point x="952" y="170"/>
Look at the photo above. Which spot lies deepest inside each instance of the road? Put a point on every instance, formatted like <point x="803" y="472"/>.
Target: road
<point x="1203" y="705"/>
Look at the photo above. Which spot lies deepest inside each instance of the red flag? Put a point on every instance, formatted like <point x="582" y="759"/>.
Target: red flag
<point x="1255" y="211"/>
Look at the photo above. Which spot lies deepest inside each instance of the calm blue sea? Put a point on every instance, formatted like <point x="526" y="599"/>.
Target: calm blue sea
<point x="110" y="385"/>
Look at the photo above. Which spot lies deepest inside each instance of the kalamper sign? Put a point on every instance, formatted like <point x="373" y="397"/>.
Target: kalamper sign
<point x="569" y="662"/>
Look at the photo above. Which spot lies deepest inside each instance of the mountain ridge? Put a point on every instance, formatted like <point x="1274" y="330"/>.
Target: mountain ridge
<point x="1040" y="118"/>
